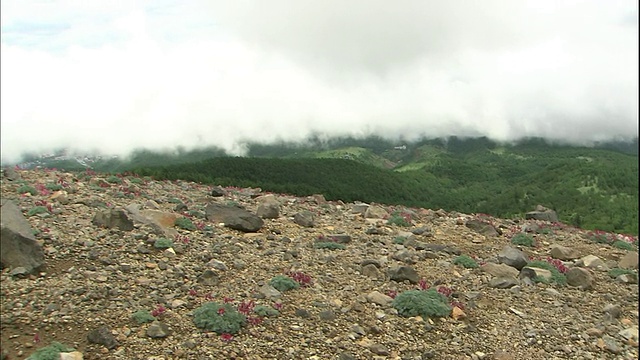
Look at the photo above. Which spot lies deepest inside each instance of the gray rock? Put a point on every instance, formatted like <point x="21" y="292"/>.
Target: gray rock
<point x="18" y="246"/>
<point x="233" y="217"/>
<point x="209" y="278"/>
<point x="11" y="174"/>
<point x="346" y="356"/>
<point x="379" y="298"/>
<point x="303" y="313"/>
<point x="513" y="257"/>
<point x="580" y="278"/>
<point x="102" y="336"/>
<point x="630" y="333"/>
<point x="370" y="271"/>
<point x="158" y="330"/>
<point x="268" y="210"/>
<point x="402" y="273"/>
<point x="304" y="218"/>
<point x="500" y="270"/>
<point x="503" y="283"/>
<point x="629" y="261"/>
<point x="218" y="191"/>
<point x="482" y="227"/>
<point x="113" y="219"/>
<point x="217" y="264"/>
<point x="327" y="315"/>
<point x="614" y="311"/>
<point x="593" y="262"/>
<point x="359" y="208"/>
<point x="340" y="238"/>
<point x="379" y="349"/>
<point x="563" y="253"/>
<point x="542" y="213"/>
<point x="269" y="292"/>
<point x="375" y="212"/>
<point x="533" y="272"/>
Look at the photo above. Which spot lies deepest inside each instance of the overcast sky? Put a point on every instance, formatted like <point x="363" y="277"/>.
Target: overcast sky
<point x="117" y="75"/>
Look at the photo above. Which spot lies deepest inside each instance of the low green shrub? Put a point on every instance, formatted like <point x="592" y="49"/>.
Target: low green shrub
<point x="27" y="189"/>
<point x="142" y="316"/>
<point x="556" y="276"/>
<point x="219" y="318"/>
<point x="523" y="239"/>
<point x="428" y="304"/>
<point x="264" y="311"/>
<point x="163" y="243"/>
<point x="615" y="272"/>
<point x="623" y="245"/>
<point x="185" y="223"/>
<point x="53" y="186"/>
<point x="465" y="261"/>
<point x="399" y="220"/>
<point x="51" y="352"/>
<point x="330" y="245"/>
<point x="399" y="240"/>
<point x="37" y="210"/>
<point x="135" y="180"/>
<point x="283" y="283"/>
<point x="114" y="180"/>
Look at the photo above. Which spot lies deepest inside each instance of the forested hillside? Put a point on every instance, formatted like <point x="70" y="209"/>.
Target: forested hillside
<point x="590" y="188"/>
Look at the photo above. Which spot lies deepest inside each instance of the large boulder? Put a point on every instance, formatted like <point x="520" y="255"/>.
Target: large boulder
<point x="482" y="227"/>
<point x="113" y="219"/>
<point x="269" y="207"/>
<point x="18" y="246"/>
<point x="542" y="213"/>
<point x="161" y="223"/>
<point x="233" y="217"/>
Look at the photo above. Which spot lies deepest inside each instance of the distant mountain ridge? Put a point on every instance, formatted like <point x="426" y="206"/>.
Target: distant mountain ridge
<point x="373" y="150"/>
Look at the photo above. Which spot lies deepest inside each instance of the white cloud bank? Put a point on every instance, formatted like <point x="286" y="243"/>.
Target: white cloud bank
<point x="159" y="74"/>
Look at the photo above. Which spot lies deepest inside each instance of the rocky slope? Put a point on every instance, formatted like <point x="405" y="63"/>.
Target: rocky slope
<point x="102" y="264"/>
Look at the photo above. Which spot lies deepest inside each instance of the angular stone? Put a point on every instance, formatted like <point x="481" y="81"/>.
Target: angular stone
<point x="209" y="278"/>
<point x="74" y="355"/>
<point x="11" y="174"/>
<point x="233" y="217"/>
<point x="158" y="330"/>
<point x="593" y="262"/>
<point x="402" y="273"/>
<point x="533" y="272"/>
<point x="629" y="261"/>
<point x="563" y="253"/>
<point x="513" y="257"/>
<point x="542" y="213"/>
<point x="379" y="298"/>
<point x="482" y="227"/>
<point x="218" y="191"/>
<point x="268" y="210"/>
<point x="359" y="208"/>
<point x="102" y="336"/>
<point x="376" y="212"/>
<point x="340" y="238"/>
<point x="370" y="271"/>
<point x="580" y="278"/>
<point x="269" y="292"/>
<point x="503" y="283"/>
<point x="113" y="219"/>
<point x="304" y="218"/>
<point x="500" y="270"/>
<point x="18" y="246"/>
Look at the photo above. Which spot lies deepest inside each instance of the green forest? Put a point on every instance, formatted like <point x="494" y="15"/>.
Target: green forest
<point x="591" y="188"/>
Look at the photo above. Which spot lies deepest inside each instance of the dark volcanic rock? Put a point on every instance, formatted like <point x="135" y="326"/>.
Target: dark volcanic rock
<point x="18" y="246"/>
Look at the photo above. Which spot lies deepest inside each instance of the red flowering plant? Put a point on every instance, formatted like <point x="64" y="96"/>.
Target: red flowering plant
<point x="300" y="277"/>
